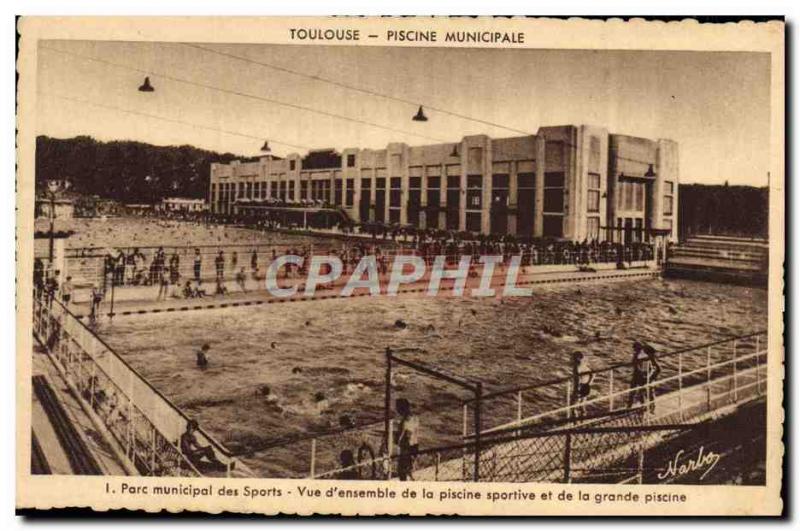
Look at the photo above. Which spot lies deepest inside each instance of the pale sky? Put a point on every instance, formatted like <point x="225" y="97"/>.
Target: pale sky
<point x="715" y="105"/>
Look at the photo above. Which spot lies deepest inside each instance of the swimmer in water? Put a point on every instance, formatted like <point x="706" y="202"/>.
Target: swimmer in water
<point x="202" y="356"/>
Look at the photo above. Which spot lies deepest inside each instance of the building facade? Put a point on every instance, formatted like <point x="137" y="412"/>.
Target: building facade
<point x="183" y="204"/>
<point x="573" y="182"/>
<point x="54" y="208"/>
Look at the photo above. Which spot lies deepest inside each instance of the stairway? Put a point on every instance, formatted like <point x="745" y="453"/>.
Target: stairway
<point x="721" y="259"/>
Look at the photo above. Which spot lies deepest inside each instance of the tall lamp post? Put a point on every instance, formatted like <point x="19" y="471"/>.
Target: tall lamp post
<point x="54" y="187"/>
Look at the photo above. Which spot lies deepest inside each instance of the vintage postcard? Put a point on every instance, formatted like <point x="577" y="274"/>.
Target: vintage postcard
<point x="420" y="266"/>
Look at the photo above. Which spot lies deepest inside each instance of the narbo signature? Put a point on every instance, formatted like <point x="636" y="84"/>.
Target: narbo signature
<point x="704" y="460"/>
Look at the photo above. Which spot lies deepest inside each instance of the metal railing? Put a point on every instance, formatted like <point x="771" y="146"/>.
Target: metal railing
<point x="611" y="385"/>
<point x="145" y="424"/>
<point x="603" y="438"/>
<point x="90" y="265"/>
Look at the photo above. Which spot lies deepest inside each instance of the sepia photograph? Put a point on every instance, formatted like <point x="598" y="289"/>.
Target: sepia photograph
<point x="414" y="254"/>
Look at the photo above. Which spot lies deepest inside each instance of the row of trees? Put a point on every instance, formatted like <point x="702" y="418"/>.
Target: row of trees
<point x="126" y="171"/>
<point x="723" y="210"/>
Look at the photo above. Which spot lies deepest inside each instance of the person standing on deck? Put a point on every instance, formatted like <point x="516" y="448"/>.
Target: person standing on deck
<point x="38" y="277"/>
<point x="97" y="297"/>
<point x="51" y="287"/>
<point x="66" y="291"/>
<point x="198" y="264"/>
<point x="174" y="268"/>
<point x="407" y="439"/>
<point x="582" y="377"/>
<point x="219" y="262"/>
<point x="646" y="369"/>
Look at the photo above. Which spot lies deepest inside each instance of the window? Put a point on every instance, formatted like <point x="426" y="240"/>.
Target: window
<point x="474" y="192"/>
<point x="434" y="196"/>
<point x="349" y="192"/>
<point x="554" y="200"/>
<point x="628" y="196"/>
<point x="639" y="191"/>
<point x="351" y="161"/>
<point x="499" y="190"/>
<point x="526" y="199"/>
<point x="453" y="201"/>
<point x="414" y="200"/>
<point x="593" y="195"/>
<point x="668" y="198"/>
<point x="593" y="228"/>
<point x="337" y="192"/>
<point x="474" y="221"/>
<point x="593" y="201"/>
<point x="553" y="226"/>
<point x="554" y="179"/>
<point x="291" y="190"/>
<point x="395" y="196"/>
<point x="364" y="199"/>
<point x="292" y="165"/>
<point x="554" y="191"/>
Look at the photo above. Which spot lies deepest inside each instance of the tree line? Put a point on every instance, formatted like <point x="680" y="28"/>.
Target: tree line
<point x="126" y="171"/>
<point x="723" y="210"/>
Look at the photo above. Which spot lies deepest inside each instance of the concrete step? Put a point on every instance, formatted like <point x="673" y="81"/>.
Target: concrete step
<point x="726" y="244"/>
<point x="718" y="255"/>
<point x="730" y="239"/>
<point x="707" y="263"/>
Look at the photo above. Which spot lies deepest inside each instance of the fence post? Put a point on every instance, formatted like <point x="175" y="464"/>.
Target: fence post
<point x="641" y="458"/>
<point x="478" y="397"/>
<point x="389" y="450"/>
<point x="611" y="391"/>
<point x="519" y="406"/>
<point x="92" y="382"/>
<point x="464" y="436"/>
<point x="735" y="383"/>
<point x="758" y="369"/>
<point x="387" y="404"/>
<point x="569" y="399"/>
<point x="312" y="471"/>
<point x="436" y="470"/>
<point x="649" y="406"/>
<point x="680" y="386"/>
<point x="153" y="452"/>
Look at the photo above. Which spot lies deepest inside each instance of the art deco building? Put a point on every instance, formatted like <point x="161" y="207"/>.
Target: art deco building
<point x="573" y="182"/>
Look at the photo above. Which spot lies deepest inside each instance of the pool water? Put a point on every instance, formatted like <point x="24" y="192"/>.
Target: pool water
<point x="323" y="359"/>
